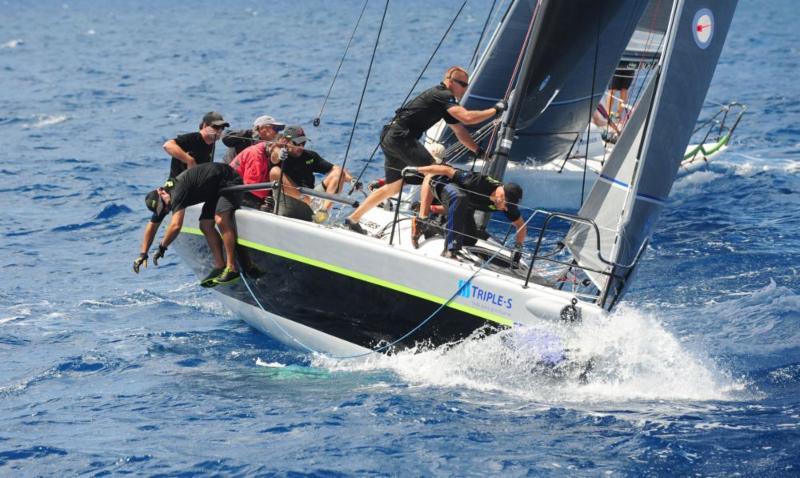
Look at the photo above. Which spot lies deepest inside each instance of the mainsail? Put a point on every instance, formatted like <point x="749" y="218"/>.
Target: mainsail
<point x="549" y="135"/>
<point x="635" y="182"/>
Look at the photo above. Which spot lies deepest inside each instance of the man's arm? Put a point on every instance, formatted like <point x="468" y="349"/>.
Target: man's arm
<point x="464" y="137"/>
<point x="174" y="228"/>
<point x="173" y="149"/>
<point x="149" y="234"/>
<point x="437" y="170"/>
<point x="237" y="138"/>
<point x="522" y="231"/>
<point x="150" y="231"/>
<point x="470" y="117"/>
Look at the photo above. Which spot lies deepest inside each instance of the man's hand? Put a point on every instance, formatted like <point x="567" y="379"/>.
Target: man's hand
<point x="158" y="255"/>
<point x="500" y="106"/>
<point x="516" y="256"/>
<point x="283" y="155"/>
<point x="139" y="262"/>
<point x="410" y="170"/>
<point x="480" y="153"/>
<point x="190" y="163"/>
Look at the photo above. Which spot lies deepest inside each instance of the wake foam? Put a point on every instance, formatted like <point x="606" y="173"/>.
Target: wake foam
<point x="626" y="356"/>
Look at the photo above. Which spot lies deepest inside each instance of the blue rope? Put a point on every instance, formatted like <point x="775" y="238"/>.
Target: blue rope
<point x="383" y="347"/>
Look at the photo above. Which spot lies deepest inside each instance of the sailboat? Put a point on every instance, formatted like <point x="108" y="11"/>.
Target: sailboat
<point x="327" y="289"/>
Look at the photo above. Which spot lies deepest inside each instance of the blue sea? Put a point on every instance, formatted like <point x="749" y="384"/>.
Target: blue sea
<point x="104" y="372"/>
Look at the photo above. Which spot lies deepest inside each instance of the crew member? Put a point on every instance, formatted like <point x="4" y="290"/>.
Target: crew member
<point x="200" y="184"/>
<point x="265" y="128"/>
<point x="299" y="165"/>
<point x="462" y="195"/>
<point x="399" y="139"/>
<point x="191" y="149"/>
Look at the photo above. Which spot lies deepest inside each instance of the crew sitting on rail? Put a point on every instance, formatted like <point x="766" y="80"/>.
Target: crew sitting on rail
<point x="297" y="166"/>
<point x="253" y="165"/>
<point x="462" y="195"/>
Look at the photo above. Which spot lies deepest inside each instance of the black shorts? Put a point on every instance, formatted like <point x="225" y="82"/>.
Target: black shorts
<point x="622" y="79"/>
<point x="225" y="202"/>
<point x="401" y="150"/>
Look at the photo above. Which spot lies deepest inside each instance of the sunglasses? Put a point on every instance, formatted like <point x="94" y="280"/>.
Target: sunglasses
<point x="218" y="127"/>
<point x="298" y="143"/>
<point x="460" y="82"/>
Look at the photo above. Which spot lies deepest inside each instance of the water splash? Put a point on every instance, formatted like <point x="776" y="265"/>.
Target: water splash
<point x="622" y="357"/>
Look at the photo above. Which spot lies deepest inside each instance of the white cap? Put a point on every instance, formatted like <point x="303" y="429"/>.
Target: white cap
<point x="266" y="120"/>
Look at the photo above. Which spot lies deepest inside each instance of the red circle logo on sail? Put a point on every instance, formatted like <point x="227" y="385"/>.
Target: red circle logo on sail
<point x="703" y="28"/>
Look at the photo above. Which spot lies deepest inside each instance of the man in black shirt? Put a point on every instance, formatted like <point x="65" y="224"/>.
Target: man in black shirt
<point x="200" y="184"/>
<point x="399" y="139"/>
<point x="265" y="128"/>
<point x="191" y="149"/>
<point x="465" y="193"/>
<point x="299" y="165"/>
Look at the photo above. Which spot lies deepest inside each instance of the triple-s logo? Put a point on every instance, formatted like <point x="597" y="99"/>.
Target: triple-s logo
<point x="474" y="292"/>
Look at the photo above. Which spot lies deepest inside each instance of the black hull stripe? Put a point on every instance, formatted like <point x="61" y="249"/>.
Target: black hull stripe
<point x="366" y="278"/>
<point x="361" y="312"/>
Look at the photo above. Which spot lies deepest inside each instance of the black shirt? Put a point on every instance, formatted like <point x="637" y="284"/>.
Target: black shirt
<point x="301" y="169"/>
<point x="196" y="147"/>
<point x="200" y="184"/>
<point x="478" y="188"/>
<point x="426" y="110"/>
<point x="238" y="140"/>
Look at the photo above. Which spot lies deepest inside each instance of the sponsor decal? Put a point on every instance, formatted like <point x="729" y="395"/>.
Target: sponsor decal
<point x="485" y="298"/>
<point x="703" y="28"/>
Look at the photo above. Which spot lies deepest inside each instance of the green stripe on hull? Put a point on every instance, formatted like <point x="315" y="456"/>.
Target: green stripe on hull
<point x="365" y="278"/>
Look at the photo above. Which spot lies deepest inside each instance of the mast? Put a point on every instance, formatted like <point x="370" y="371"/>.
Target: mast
<point x="508" y="126"/>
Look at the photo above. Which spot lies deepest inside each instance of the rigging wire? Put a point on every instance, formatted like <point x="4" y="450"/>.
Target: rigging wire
<point x="364" y="89"/>
<point x="512" y="78"/>
<point x="336" y="75"/>
<point x="411" y="91"/>
<point x="480" y="39"/>
<point x="591" y="110"/>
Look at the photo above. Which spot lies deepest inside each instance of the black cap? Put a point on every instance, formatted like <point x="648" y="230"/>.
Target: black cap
<point x="215" y="119"/>
<point x="295" y="134"/>
<point x="154" y="203"/>
<point x="513" y="192"/>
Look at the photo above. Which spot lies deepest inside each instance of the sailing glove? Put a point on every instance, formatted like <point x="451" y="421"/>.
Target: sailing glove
<point x="516" y="256"/>
<point x="500" y="106"/>
<point x="158" y="255"/>
<point x="141" y="260"/>
<point x="409" y="170"/>
<point x="283" y="155"/>
<point x="480" y="153"/>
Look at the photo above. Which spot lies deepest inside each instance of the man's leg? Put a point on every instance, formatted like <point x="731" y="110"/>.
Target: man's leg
<point x="457" y="208"/>
<point x="213" y="240"/>
<point x="225" y="222"/>
<point x="377" y="197"/>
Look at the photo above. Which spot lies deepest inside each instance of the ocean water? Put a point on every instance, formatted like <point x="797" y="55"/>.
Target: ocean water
<point x="104" y="372"/>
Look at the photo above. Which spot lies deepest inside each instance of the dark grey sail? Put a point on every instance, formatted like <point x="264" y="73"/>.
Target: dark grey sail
<point x="549" y="135"/>
<point x="635" y="183"/>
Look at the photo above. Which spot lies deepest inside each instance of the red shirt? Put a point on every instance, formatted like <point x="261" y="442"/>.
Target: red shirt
<point x="253" y="166"/>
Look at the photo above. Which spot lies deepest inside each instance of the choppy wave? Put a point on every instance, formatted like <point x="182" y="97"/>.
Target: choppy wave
<point x="43" y="121"/>
<point x="13" y="43"/>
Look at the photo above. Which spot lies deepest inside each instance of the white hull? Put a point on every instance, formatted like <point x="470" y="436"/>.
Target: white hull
<point x="330" y="290"/>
